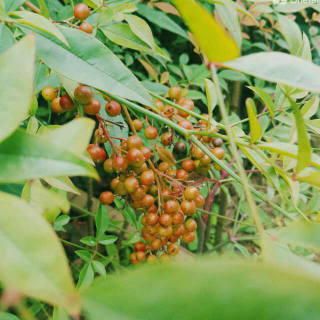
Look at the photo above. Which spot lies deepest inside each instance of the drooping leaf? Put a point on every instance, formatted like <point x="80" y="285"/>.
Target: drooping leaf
<point x="223" y="48"/>
<point x="39" y="22"/>
<point x="6" y="38"/>
<point x="279" y="67"/>
<point x="122" y="35"/>
<point x="300" y="233"/>
<point x="309" y="176"/>
<point x="33" y="262"/>
<point x="25" y="156"/>
<point x="291" y="32"/>
<point x="107" y="239"/>
<point x="310" y="108"/>
<point x="265" y="97"/>
<point x="211" y="96"/>
<point x="141" y="29"/>
<point x="88" y="61"/>
<point x="16" y="91"/>
<point x="161" y="19"/>
<point x="86" y="277"/>
<point x="255" y="128"/>
<point x="199" y="290"/>
<point x="44" y="9"/>
<point x="165" y="155"/>
<point x="12" y="5"/>
<point x="62" y="183"/>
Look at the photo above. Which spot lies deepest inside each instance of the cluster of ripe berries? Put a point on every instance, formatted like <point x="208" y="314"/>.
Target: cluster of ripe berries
<point x="81" y="12"/>
<point x="83" y="95"/>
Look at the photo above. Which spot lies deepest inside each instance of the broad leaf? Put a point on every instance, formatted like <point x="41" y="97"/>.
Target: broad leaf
<point x="255" y="128"/>
<point x="205" y="290"/>
<point x="25" y="156"/>
<point x="88" y="61"/>
<point x="309" y="176"/>
<point x="281" y="68"/>
<point x="33" y="260"/>
<point x="16" y="90"/>
<point x="102" y="221"/>
<point x="141" y="29"/>
<point x="223" y="48"/>
<point x="265" y="97"/>
<point x="12" y="5"/>
<point x="39" y="22"/>
<point x="62" y="183"/>
<point x="6" y="38"/>
<point x="86" y="277"/>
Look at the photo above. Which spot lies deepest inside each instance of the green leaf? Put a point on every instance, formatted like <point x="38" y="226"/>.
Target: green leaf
<point x="8" y="316"/>
<point x="304" y="51"/>
<point x="99" y="267"/>
<point x="62" y="183"/>
<point x="6" y="38"/>
<point x="216" y="289"/>
<point x="304" y="146"/>
<point x="289" y="150"/>
<point x="162" y="20"/>
<point x="12" y="5"/>
<point x="255" y="128"/>
<point x="33" y="260"/>
<point x="265" y="97"/>
<point x="44" y="9"/>
<point x="300" y="233"/>
<point x="86" y="277"/>
<point x="223" y="48"/>
<point x="107" y="239"/>
<point x="127" y="212"/>
<point x="62" y="220"/>
<point x="47" y="202"/>
<point x="25" y="156"/>
<point x="279" y="67"/>
<point x="88" y="61"/>
<point x="94" y="3"/>
<point x="310" y="108"/>
<point x="228" y="13"/>
<point x="33" y="125"/>
<point x="211" y="96"/>
<point x="102" y="221"/>
<point x="122" y="35"/>
<point x="74" y="136"/>
<point x="141" y="29"/>
<point x="16" y="91"/>
<point x="291" y="32"/>
<point x="39" y="22"/>
<point x="309" y="176"/>
<point x="89" y="241"/>
<point x="84" y="254"/>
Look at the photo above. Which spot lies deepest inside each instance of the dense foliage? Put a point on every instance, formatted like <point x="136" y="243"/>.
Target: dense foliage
<point x="159" y="159"/>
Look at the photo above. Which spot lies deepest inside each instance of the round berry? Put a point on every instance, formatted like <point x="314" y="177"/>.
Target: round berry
<point x="133" y="258"/>
<point x="165" y="231"/>
<point x="106" y="197"/>
<point x="182" y="175"/>
<point x="131" y="184"/>
<point x="146" y="153"/>
<point x="55" y="106"/>
<point x="190" y="225"/>
<point x="197" y="153"/>
<point x="165" y="257"/>
<point x="180" y="148"/>
<point x="81" y="11"/>
<point x="166" y="194"/>
<point x="185" y="124"/>
<point x="153" y="209"/>
<point x="167" y="138"/>
<point x="86" y="27"/>
<point x="173" y="249"/>
<point x="175" y="92"/>
<point x="66" y="102"/>
<point x="139" y="194"/>
<point x="152" y="219"/>
<point x="49" y="93"/>
<point x="135" y="156"/>
<point x="188" y="237"/>
<point x="156" y="244"/>
<point x="188" y="165"/>
<point x="120" y="163"/>
<point x="179" y="230"/>
<point x="140" y="246"/>
<point x="148" y="200"/>
<point x="148" y="237"/>
<point x="217" y="142"/>
<point x="97" y="154"/>
<point x="164" y="166"/>
<point x="114" y="183"/>
<point x="134" y="142"/>
<point x="151" y="132"/>
<point x="171" y="206"/>
<point x="121" y="188"/>
<point x="205" y="160"/>
<point x="137" y="124"/>
<point x="188" y="207"/>
<point x="113" y="108"/>
<point x="191" y="193"/>
<point x="108" y="166"/>
<point x="168" y="111"/>
<point x="165" y="220"/>
<point x="159" y="104"/>
<point x="141" y="256"/>
<point x="147" y="178"/>
<point x="93" y="107"/>
<point x="152" y="259"/>
<point x="177" y="218"/>
<point x="200" y="201"/>
<point x="218" y="152"/>
<point x="83" y="94"/>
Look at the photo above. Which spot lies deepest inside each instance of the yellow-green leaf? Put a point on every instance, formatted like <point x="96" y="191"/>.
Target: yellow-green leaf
<point x="32" y="258"/>
<point x="165" y="155"/>
<point x="214" y="42"/>
<point x="39" y="22"/>
<point x="44" y="9"/>
<point x="16" y="90"/>
<point x="309" y="176"/>
<point x="255" y="128"/>
<point x="211" y="97"/>
<point x="265" y="97"/>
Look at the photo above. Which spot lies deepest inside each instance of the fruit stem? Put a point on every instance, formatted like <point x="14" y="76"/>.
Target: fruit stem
<point x="32" y="7"/>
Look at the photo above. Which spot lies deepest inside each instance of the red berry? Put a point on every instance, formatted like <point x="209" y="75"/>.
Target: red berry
<point x="55" y="106"/>
<point x="147" y="178"/>
<point x="140" y="246"/>
<point x="171" y="206"/>
<point x="106" y="197"/>
<point x="165" y="220"/>
<point x="120" y="163"/>
<point x="113" y="108"/>
<point x="97" y="154"/>
<point x="81" y="11"/>
<point x="83" y="94"/>
<point x="86" y="27"/>
<point x="134" y="142"/>
<point x="151" y="132"/>
<point x="93" y="107"/>
<point x="66" y="102"/>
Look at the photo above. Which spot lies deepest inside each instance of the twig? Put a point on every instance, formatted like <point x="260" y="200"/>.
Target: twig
<point x="32" y="7"/>
<point x="222" y="210"/>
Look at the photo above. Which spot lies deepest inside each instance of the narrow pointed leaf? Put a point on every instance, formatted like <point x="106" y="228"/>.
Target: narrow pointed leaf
<point x="265" y="97"/>
<point x="211" y="96"/>
<point x="255" y="128"/>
